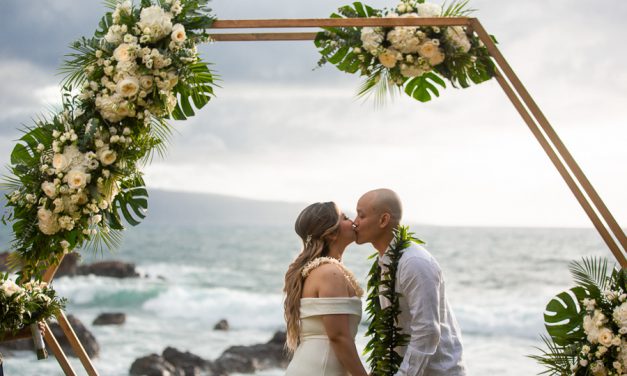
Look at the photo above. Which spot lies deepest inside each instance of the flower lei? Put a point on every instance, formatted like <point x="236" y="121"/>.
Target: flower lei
<point x="311" y="265"/>
<point x="385" y="335"/>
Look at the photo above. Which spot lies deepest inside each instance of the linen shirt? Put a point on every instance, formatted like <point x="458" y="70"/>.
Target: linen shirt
<point x="435" y="347"/>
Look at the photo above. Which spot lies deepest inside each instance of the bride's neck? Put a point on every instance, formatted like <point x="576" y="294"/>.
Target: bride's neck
<point x="336" y="252"/>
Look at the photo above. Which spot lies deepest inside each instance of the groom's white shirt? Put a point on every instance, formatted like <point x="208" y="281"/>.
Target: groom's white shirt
<point x="435" y="347"/>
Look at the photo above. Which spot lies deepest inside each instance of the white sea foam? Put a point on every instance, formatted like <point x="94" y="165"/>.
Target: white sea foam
<point x="241" y="308"/>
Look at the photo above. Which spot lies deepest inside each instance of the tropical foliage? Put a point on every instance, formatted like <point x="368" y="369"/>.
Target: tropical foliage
<point x="21" y="306"/>
<point x="76" y="177"/>
<point x="587" y="325"/>
<point x="416" y="60"/>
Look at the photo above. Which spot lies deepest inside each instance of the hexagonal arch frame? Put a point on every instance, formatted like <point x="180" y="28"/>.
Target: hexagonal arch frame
<point x="600" y="216"/>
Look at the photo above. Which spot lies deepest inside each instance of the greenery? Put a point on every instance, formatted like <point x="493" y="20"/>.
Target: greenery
<point x="415" y="60"/>
<point x="385" y="335"/>
<point x="587" y="324"/>
<point x="22" y="306"/>
<point x="76" y="177"/>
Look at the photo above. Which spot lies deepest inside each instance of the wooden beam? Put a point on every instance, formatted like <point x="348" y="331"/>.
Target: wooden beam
<point x="58" y="353"/>
<point x="258" y="37"/>
<point x="78" y="348"/>
<point x="340" y="22"/>
<point x="556" y="150"/>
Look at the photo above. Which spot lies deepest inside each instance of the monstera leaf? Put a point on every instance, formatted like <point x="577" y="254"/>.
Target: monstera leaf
<point x="423" y="87"/>
<point x="563" y="316"/>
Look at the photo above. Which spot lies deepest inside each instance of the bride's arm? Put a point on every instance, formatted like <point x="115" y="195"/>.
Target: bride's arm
<point x="343" y="344"/>
<point x="334" y="285"/>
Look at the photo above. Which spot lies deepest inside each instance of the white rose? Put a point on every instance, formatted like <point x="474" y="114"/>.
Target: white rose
<point x="9" y="287"/>
<point x="605" y="337"/>
<point x="123" y="53"/>
<point x="146" y="82"/>
<point x="388" y="58"/>
<point x="428" y="49"/>
<point x="49" y="189"/>
<point x="107" y="157"/>
<point x="64" y="244"/>
<point x="60" y="162"/>
<point x="178" y="33"/>
<point x="128" y="87"/>
<point x="76" y="179"/>
<point x="58" y="205"/>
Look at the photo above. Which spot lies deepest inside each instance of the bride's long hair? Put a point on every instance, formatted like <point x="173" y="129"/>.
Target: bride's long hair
<point x="314" y="225"/>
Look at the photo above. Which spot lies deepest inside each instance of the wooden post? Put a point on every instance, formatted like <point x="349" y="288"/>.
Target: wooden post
<point x="58" y="353"/>
<point x="67" y="329"/>
<point x="557" y="149"/>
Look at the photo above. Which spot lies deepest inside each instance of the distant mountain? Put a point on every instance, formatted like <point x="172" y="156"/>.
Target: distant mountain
<point x="205" y="208"/>
<point x="169" y="207"/>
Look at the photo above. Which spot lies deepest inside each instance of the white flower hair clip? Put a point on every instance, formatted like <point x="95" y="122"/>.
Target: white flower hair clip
<point x="308" y="241"/>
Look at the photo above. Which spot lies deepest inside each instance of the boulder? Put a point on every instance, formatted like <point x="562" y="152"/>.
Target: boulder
<point x="189" y="363"/>
<point x="85" y="336"/>
<point x="110" y="319"/>
<point x="221" y="325"/>
<point x="115" y="269"/>
<point x="249" y="359"/>
<point x="154" y="365"/>
<point x="69" y="265"/>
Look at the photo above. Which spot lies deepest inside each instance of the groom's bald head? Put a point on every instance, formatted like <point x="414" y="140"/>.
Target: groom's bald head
<point x="385" y="200"/>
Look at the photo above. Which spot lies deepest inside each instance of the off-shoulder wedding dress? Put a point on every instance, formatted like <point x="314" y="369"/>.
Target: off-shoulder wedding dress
<point x="314" y="355"/>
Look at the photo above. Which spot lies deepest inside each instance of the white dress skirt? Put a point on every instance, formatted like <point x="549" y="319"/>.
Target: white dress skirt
<point x="314" y="356"/>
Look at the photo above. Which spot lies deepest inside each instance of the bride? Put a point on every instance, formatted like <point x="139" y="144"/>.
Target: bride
<point x="322" y="304"/>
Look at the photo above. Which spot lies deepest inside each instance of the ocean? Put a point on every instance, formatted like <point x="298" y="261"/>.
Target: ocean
<point x="498" y="283"/>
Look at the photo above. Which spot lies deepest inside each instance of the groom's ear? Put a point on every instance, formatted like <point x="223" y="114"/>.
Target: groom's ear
<point x="384" y="220"/>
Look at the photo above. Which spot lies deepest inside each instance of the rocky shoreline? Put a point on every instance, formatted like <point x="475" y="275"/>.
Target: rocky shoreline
<point x="172" y="361"/>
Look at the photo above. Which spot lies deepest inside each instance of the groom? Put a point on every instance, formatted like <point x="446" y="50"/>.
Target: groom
<point x="434" y="347"/>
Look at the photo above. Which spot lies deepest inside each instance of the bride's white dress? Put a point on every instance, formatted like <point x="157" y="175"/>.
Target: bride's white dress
<point x="314" y="355"/>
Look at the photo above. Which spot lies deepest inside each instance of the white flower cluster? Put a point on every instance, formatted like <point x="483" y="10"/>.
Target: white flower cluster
<point x="602" y="340"/>
<point x="23" y="305"/>
<point x="8" y="288"/>
<point x="413" y="50"/>
<point x="69" y="172"/>
<point x="130" y="73"/>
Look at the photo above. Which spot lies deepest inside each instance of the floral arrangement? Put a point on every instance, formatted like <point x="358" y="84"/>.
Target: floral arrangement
<point x="77" y="172"/>
<point x="587" y="325"/>
<point x="409" y="58"/>
<point x="21" y="306"/>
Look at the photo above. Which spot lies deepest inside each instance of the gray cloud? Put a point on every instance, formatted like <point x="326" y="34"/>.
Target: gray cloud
<point x="279" y="130"/>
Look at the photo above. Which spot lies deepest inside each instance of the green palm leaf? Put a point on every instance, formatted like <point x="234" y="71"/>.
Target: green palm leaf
<point x="591" y="273"/>
<point x="556" y="359"/>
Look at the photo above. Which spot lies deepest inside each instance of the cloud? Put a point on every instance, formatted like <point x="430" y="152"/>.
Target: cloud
<point x="280" y="130"/>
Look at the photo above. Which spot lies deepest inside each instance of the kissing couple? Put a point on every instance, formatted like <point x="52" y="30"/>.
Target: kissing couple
<point x="412" y="331"/>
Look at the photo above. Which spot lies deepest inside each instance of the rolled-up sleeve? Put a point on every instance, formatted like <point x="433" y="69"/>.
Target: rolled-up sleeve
<point x="419" y="281"/>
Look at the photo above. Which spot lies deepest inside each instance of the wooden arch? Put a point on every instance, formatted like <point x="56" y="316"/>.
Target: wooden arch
<point x="604" y="222"/>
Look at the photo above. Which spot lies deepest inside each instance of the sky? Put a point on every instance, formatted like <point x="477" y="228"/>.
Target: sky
<point x="279" y="129"/>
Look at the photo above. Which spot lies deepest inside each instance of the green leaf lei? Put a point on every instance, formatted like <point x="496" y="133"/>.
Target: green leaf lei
<point x="385" y="335"/>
